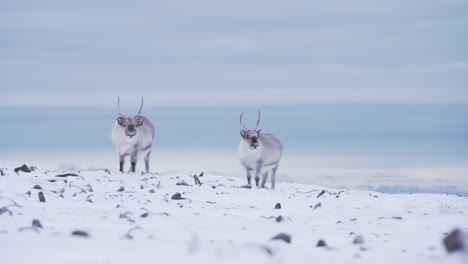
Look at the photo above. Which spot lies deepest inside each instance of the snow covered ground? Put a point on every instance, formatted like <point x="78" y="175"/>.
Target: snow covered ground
<point x="125" y="218"/>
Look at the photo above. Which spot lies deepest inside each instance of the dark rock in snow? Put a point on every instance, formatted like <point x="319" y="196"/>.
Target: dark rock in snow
<point x="41" y="197"/>
<point x="152" y="191"/>
<point x="121" y="189"/>
<point x="321" y="193"/>
<point x="177" y="196"/>
<point x="23" y="168"/>
<point x="1" y="173"/>
<point x="398" y="217"/>
<point x="36" y="223"/>
<point x="80" y="233"/>
<point x="278" y="206"/>
<point x="317" y="205"/>
<point x="282" y="236"/>
<point x="358" y="240"/>
<point x="182" y="183"/>
<point x="321" y="243"/>
<point x="37" y="187"/>
<point x="201" y="174"/>
<point x="279" y="219"/>
<point x="144" y="215"/>
<point x="5" y="210"/>
<point x="454" y="241"/>
<point x="66" y="175"/>
<point x="247" y="186"/>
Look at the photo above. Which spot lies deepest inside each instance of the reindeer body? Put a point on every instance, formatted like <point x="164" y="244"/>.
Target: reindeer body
<point x="260" y="154"/>
<point x="131" y="136"/>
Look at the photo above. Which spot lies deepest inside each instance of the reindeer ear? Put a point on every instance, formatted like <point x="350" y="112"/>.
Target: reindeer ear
<point x="139" y="121"/>
<point x="243" y="133"/>
<point x="120" y="120"/>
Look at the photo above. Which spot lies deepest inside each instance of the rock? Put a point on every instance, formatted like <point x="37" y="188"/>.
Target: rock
<point x="1" y="173"/>
<point x="321" y="243"/>
<point x="66" y="175"/>
<point x="144" y="215"/>
<point x="152" y="191"/>
<point x="455" y="241"/>
<point x="36" y="223"/>
<point x="247" y="186"/>
<point x="201" y="174"/>
<point x="321" y="193"/>
<point x="398" y="217"/>
<point x="278" y="206"/>
<point x="5" y="210"/>
<point x="282" y="236"/>
<point x="23" y="168"/>
<point x="182" y="183"/>
<point x="177" y="196"/>
<point x="279" y="219"/>
<point x="317" y="205"/>
<point x="358" y="240"/>
<point x="121" y="189"/>
<point x="80" y="233"/>
<point x="37" y="187"/>
<point x="41" y="197"/>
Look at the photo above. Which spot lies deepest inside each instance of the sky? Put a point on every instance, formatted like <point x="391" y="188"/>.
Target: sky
<point x="381" y="87"/>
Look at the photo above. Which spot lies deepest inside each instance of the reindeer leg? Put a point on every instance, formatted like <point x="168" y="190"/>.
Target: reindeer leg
<point x="273" y="176"/>
<point x="264" y="178"/>
<point x="257" y="175"/>
<point x="122" y="162"/>
<point x="134" y="160"/>
<point x="147" y="157"/>
<point x="249" y="176"/>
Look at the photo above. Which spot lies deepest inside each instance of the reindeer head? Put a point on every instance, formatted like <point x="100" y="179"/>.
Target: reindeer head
<point x="251" y="136"/>
<point x="130" y="124"/>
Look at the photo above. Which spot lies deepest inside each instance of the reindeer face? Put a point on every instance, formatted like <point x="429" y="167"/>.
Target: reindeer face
<point x="130" y="124"/>
<point x="251" y="137"/>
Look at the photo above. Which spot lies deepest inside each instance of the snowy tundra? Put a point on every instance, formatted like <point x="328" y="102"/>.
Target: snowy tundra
<point x="110" y="217"/>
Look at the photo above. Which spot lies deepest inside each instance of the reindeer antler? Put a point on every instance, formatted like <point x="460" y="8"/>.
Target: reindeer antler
<point x="241" y="122"/>
<point x="258" y="120"/>
<point x="141" y="107"/>
<point x="118" y="106"/>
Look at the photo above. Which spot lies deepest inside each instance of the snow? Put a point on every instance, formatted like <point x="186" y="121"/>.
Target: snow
<point x="217" y="222"/>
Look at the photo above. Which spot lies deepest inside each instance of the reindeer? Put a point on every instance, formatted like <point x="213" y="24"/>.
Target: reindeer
<point x="259" y="153"/>
<point x="132" y="135"/>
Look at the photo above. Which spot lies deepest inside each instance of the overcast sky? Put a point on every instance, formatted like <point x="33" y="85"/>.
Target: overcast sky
<point x="211" y="52"/>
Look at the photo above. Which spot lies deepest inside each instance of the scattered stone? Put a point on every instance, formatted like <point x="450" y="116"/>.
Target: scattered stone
<point x="353" y="220"/>
<point x="80" y="233"/>
<point x="321" y="193"/>
<point x="88" y="188"/>
<point x="247" y="186"/>
<point x="282" y="236"/>
<point x="41" y="197"/>
<point x="201" y="174"/>
<point x="37" y="187"/>
<point x="398" y="217"/>
<point x="317" y="205"/>
<point x="5" y="210"/>
<point x="454" y="241"/>
<point x="66" y="175"/>
<point x="279" y="219"/>
<point x="36" y="223"/>
<point x="321" y="243"/>
<point x="278" y="206"/>
<point x="358" y="240"/>
<point x="152" y="191"/>
<point x="121" y="189"/>
<point x="144" y="215"/>
<point x="182" y="183"/>
<point x="197" y="180"/>
<point x="1" y="172"/>
<point x="28" y="193"/>
<point x="177" y="196"/>
<point x="23" y="168"/>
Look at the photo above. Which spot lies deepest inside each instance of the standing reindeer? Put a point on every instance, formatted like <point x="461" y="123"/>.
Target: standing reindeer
<point x="259" y="153"/>
<point x="132" y="135"/>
